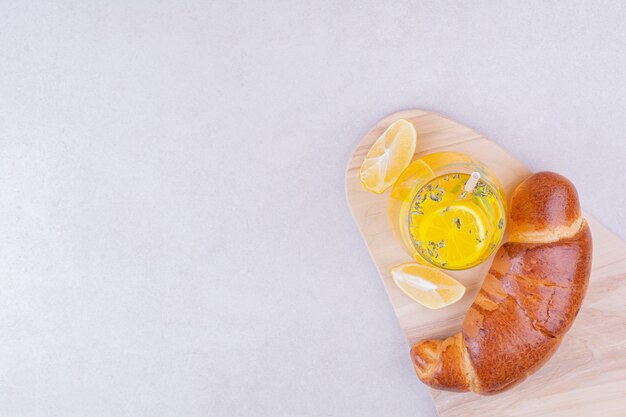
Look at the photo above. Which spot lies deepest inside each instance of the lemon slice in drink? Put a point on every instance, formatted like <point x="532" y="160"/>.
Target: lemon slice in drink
<point x="428" y="286"/>
<point x="389" y="156"/>
<point x="462" y="232"/>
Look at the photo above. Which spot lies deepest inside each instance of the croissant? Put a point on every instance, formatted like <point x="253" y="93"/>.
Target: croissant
<point x="528" y="300"/>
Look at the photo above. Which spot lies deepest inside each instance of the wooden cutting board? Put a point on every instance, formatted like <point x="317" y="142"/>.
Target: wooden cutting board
<point x="587" y="376"/>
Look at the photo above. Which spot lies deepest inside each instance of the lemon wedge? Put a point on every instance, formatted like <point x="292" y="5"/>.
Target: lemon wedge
<point x="428" y="286"/>
<point x="389" y="156"/>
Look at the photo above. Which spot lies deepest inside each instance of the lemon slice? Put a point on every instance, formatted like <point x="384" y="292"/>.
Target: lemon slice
<point x="461" y="229"/>
<point x="430" y="287"/>
<point x="388" y="156"/>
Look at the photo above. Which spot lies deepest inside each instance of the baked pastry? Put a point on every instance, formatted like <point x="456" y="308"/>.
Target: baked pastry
<point x="528" y="300"/>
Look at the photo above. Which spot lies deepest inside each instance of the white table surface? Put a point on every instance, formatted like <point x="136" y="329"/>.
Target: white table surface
<point x="174" y="234"/>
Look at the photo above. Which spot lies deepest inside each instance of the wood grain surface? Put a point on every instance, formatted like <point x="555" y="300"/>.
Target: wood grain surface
<point x="587" y="376"/>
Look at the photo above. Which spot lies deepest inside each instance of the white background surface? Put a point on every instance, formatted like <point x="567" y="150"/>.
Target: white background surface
<point x="174" y="235"/>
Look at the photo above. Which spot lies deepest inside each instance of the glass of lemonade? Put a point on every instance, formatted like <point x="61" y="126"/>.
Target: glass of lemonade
<point x="449" y="210"/>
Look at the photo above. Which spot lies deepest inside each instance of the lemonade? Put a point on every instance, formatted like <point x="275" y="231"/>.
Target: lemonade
<point x="444" y="218"/>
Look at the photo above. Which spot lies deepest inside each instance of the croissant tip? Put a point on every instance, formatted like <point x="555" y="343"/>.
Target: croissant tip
<point x="424" y="355"/>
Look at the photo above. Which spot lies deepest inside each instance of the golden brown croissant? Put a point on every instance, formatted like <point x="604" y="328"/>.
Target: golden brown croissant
<point x="527" y="302"/>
